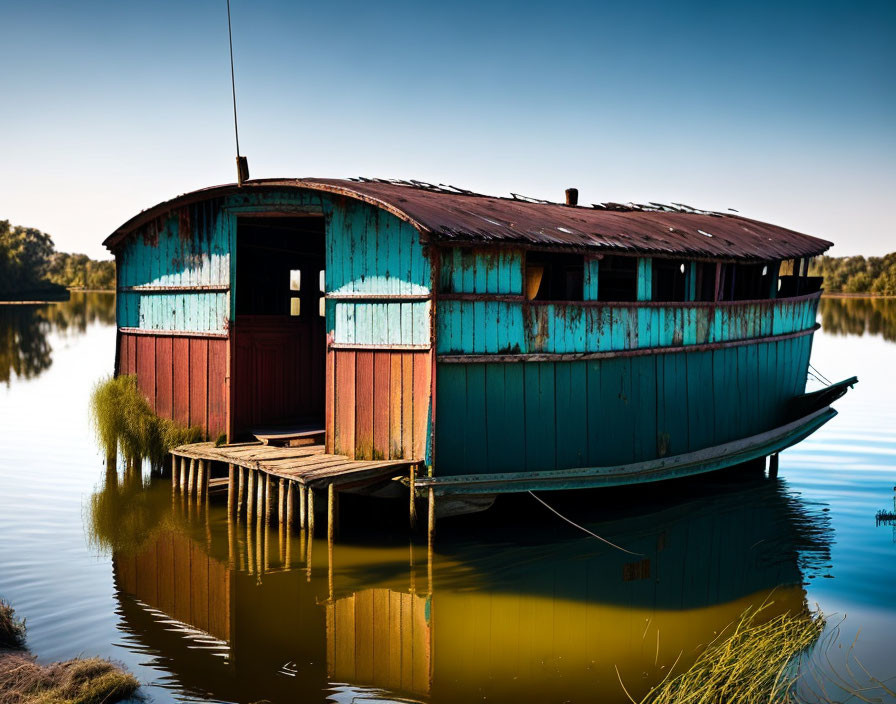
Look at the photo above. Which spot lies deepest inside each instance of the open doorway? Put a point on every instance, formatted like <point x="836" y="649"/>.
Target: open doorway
<point x="279" y="336"/>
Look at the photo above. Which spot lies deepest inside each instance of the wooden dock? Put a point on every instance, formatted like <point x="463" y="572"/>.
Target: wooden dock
<point x="255" y="470"/>
<point x="309" y="465"/>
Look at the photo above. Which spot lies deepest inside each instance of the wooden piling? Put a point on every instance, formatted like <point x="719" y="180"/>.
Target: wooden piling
<point x="173" y="473"/>
<point x="182" y="479"/>
<point x="250" y="543"/>
<point x="267" y="546"/>
<point x="309" y="544"/>
<point x="260" y="511"/>
<point x="239" y="495"/>
<point x="231" y="489"/>
<point x="281" y="514"/>
<point x="191" y="485"/>
<point x="200" y="479"/>
<point x="431" y="526"/>
<point x="267" y="497"/>
<point x="331" y="512"/>
<point x="303" y="524"/>
<point x="773" y="466"/>
<point x="310" y="514"/>
<point x="289" y="502"/>
<point x="250" y="495"/>
<point x="412" y="498"/>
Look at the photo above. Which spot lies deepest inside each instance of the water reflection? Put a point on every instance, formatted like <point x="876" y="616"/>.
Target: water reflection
<point x="24" y="348"/>
<point x="857" y="316"/>
<point x="513" y="606"/>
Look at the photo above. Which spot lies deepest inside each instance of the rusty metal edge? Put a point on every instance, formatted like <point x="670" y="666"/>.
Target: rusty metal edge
<point x="610" y="354"/>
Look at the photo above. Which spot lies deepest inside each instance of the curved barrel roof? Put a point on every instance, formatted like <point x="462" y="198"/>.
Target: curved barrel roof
<point x="446" y="214"/>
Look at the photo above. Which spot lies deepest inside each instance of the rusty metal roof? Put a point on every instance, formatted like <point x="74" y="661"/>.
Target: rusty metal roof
<point x="447" y="214"/>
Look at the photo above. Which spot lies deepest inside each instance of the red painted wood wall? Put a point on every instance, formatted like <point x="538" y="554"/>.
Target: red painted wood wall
<point x="378" y="403"/>
<point x="184" y="378"/>
<point x="278" y="370"/>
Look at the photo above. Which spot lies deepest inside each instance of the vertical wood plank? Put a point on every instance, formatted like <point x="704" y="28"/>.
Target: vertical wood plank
<point x="199" y="382"/>
<point x="364" y="405"/>
<point x="382" y="389"/>
<point x="181" y="375"/>
<point x="395" y="406"/>
<point x="146" y="367"/>
<point x="422" y="392"/>
<point x="407" y="405"/>
<point x="344" y="395"/>
<point x="217" y="373"/>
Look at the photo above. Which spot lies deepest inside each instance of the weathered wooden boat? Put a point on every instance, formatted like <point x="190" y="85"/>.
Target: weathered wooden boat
<point x="501" y="344"/>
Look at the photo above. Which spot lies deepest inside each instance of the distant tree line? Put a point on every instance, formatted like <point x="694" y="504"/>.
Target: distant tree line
<point x="876" y="275"/>
<point x="30" y="264"/>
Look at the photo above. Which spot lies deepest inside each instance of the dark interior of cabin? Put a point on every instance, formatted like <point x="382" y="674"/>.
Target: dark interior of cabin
<point x="670" y="280"/>
<point x="618" y="279"/>
<point x="279" y="351"/>
<point x="563" y="275"/>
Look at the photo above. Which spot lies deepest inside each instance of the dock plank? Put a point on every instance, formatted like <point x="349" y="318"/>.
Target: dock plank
<point x="310" y="464"/>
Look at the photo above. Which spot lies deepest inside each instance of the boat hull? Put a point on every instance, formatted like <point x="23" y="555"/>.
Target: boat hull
<point x="698" y="462"/>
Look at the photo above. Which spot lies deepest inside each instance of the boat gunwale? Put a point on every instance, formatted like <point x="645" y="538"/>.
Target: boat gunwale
<point x="611" y="354"/>
<point x="690" y="463"/>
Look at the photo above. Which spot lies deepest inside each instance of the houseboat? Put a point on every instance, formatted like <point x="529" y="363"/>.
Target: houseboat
<point x="493" y="344"/>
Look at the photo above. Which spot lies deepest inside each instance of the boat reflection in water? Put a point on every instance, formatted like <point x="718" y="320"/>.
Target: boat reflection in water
<point x="535" y="611"/>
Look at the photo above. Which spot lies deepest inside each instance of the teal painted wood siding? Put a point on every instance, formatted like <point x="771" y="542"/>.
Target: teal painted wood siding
<point x="502" y="327"/>
<point x="488" y="271"/>
<point x="591" y="288"/>
<point x="369" y="253"/>
<point x="372" y="253"/>
<point x="189" y="250"/>
<point x="512" y="417"/>
<point x="645" y="279"/>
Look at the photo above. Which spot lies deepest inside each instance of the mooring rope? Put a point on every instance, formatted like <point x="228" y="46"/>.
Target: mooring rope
<point x="824" y="380"/>
<point x="582" y="528"/>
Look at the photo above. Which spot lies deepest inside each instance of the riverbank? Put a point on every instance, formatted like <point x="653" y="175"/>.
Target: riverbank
<point x="76" y="681"/>
<point x="835" y="294"/>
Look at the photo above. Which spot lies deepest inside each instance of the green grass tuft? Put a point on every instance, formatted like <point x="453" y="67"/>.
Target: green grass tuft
<point x="78" y="681"/>
<point x="752" y="660"/>
<point x="12" y="631"/>
<point x="123" y="420"/>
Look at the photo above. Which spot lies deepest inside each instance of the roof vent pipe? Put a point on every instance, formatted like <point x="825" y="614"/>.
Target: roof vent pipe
<point x="572" y="196"/>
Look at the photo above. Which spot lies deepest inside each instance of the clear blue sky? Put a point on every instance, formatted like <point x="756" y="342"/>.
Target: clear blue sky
<point x="783" y="110"/>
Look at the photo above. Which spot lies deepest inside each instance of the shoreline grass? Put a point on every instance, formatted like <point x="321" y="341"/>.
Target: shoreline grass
<point x="123" y="420"/>
<point x="759" y="660"/>
<point x="754" y="659"/>
<point x="76" y="681"/>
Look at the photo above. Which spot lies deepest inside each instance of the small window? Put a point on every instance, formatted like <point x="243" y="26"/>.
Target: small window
<point x="554" y="277"/>
<point x="295" y="306"/>
<point x="617" y="279"/>
<point x="322" y="310"/>
<point x="323" y="281"/>
<point x="670" y="279"/>
<point x="295" y="280"/>
<point x="706" y="281"/>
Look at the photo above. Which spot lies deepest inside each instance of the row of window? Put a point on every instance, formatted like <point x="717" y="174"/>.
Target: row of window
<point x="561" y="277"/>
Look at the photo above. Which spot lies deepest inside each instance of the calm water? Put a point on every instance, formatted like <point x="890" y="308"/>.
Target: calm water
<point x="513" y="606"/>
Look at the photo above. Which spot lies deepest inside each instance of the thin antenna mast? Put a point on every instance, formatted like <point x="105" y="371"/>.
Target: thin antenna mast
<point x="242" y="163"/>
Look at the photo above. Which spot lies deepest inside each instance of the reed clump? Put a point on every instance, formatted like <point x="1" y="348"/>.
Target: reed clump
<point x="77" y="681"/>
<point x="12" y="631"/>
<point x="752" y="660"/>
<point x="124" y="421"/>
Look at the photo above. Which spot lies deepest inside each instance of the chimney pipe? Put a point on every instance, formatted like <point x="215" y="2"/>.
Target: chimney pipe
<point x="572" y="196"/>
